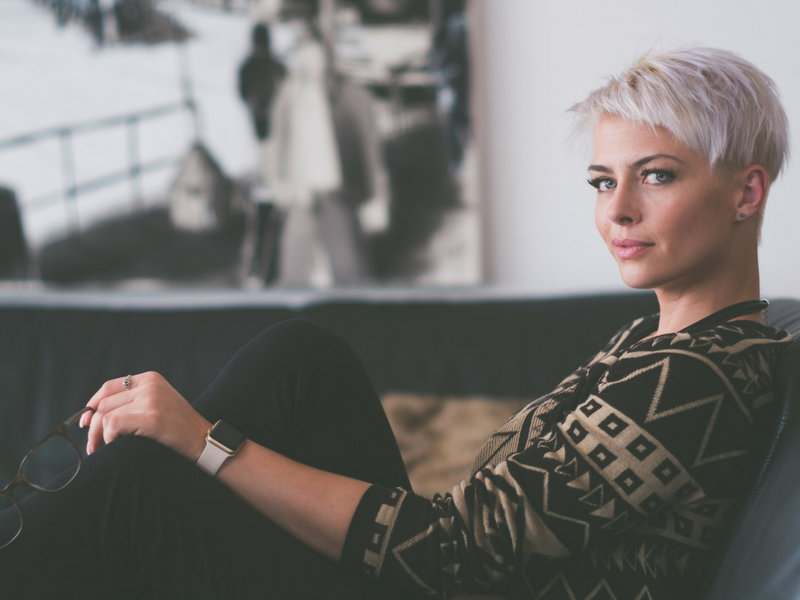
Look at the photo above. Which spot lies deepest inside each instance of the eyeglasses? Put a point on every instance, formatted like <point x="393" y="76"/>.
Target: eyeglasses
<point x="56" y="453"/>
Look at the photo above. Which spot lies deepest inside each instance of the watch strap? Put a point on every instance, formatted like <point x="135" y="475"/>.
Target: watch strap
<point x="212" y="458"/>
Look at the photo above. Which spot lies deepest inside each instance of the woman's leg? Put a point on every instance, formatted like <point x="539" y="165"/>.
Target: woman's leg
<point x="141" y="519"/>
<point x="300" y="390"/>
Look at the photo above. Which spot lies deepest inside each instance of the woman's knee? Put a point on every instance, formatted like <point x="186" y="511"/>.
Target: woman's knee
<point x="289" y="379"/>
<point x="295" y="343"/>
<point x="301" y="334"/>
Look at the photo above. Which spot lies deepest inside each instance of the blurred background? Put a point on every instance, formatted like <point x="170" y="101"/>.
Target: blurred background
<point x="237" y="143"/>
<point x="369" y="143"/>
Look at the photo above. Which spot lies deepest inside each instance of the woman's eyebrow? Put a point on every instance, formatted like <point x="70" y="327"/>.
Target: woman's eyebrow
<point x="638" y="163"/>
<point x="643" y="161"/>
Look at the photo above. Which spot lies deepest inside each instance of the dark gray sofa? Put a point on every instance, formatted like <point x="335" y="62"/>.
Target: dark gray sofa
<point x="56" y="349"/>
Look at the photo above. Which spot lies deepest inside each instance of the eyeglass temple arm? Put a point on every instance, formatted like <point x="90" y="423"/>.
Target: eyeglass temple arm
<point x="74" y="418"/>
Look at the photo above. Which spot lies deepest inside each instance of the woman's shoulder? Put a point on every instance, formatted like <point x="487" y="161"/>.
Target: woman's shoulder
<point x="739" y="355"/>
<point x="732" y="336"/>
<point x="633" y="336"/>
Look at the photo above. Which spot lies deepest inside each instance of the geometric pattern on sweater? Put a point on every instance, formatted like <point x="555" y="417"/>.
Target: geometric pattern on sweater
<point x="639" y="468"/>
<point x="653" y="559"/>
<point x="614" y="485"/>
<point x="521" y="429"/>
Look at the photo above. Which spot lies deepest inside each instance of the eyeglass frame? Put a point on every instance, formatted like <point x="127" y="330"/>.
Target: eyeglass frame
<point x="20" y="479"/>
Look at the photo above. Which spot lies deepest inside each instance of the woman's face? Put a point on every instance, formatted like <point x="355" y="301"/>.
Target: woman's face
<point x="664" y="215"/>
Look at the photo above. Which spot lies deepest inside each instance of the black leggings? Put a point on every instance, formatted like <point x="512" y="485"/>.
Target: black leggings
<point x="141" y="522"/>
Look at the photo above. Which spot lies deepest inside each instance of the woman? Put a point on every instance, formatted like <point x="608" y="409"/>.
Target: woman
<point x="614" y="485"/>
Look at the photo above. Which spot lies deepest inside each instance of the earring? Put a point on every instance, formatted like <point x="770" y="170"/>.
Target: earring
<point x="741" y="215"/>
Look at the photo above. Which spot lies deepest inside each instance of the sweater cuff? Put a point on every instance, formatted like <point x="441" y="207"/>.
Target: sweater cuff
<point x="370" y="530"/>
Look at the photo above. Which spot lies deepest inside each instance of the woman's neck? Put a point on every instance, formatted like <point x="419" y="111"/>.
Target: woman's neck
<point x="679" y="308"/>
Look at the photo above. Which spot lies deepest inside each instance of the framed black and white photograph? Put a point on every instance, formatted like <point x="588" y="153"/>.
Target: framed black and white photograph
<point x="239" y="143"/>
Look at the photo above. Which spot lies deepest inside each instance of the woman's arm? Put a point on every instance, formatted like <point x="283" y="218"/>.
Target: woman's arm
<point x="313" y="505"/>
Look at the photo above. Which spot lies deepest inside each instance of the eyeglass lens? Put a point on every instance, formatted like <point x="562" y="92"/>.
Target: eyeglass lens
<point x="53" y="465"/>
<point x="50" y="467"/>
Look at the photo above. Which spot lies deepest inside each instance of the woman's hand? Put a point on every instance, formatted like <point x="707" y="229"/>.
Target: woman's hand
<point x="151" y="408"/>
<point x="313" y="505"/>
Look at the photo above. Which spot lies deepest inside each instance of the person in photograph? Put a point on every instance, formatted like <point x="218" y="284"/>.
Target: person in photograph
<point x="259" y="77"/>
<point x="305" y="170"/>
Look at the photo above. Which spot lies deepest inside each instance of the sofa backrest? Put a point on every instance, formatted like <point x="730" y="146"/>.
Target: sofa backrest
<point x="56" y="349"/>
<point x="760" y="558"/>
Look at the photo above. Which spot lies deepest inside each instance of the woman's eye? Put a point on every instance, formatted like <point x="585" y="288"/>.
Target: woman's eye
<point x="607" y="184"/>
<point x="658" y="176"/>
<point x="603" y="184"/>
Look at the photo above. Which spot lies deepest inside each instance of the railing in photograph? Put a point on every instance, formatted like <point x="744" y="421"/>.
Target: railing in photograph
<point x="227" y="5"/>
<point x="134" y="172"/>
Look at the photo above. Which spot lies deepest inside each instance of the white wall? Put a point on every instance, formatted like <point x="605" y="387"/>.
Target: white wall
<point x="540" y="57"/>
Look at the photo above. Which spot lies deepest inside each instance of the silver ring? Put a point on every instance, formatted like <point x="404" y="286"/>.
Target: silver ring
<point x="127" y="383"/>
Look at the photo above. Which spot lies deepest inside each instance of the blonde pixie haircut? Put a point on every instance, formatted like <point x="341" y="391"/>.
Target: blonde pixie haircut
<point x="718" y="104"/>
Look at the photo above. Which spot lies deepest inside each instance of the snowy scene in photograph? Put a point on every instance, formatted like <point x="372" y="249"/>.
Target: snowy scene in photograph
<point x="131" y="150"/>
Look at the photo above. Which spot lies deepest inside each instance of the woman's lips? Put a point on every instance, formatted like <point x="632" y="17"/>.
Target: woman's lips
<point x="630" y="248"/>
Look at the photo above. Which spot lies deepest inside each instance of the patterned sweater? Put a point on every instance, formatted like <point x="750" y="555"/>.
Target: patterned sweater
<point x="614" y="486"/>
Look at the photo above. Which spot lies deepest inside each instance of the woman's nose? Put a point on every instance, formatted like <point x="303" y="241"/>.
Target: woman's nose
<point x="623" y="209"/>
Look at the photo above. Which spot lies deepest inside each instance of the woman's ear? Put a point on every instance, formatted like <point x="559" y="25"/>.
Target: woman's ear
<point x="754" y="184"/>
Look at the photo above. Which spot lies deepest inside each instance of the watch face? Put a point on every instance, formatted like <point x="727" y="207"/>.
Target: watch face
<point x="227" y="435"/>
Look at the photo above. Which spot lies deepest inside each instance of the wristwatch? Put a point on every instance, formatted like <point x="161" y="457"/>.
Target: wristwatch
<point x="222" y="442"/>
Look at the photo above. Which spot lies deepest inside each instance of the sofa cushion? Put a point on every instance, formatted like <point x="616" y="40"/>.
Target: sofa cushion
<point x="440" y="436"/>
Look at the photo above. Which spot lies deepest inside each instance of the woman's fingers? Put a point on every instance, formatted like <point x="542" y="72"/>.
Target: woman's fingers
<point x="126" y="419"/>
<point x="86" y="419"/>
<point x="150" y="408"/>
<point x="103" y="410"/>
<point x="109" y="388"/>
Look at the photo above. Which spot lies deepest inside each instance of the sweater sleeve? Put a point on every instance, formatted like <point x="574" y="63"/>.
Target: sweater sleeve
<point x="658" y="446"/>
